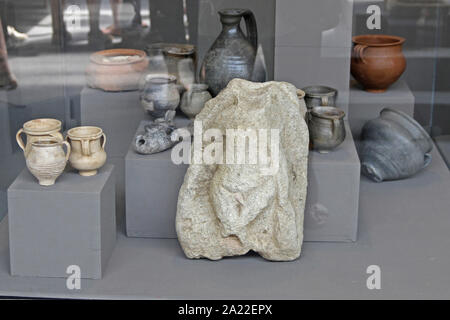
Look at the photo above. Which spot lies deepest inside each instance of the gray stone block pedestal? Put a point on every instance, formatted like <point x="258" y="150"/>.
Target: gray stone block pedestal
<point x="152" y="183"/>
<point x="313" y="44"/>
<point x="70" y="223"/>
<point x="331" y="214"/>
<point x="151" y="193"/>
<point x="332" y="203"/>
<point x="10" y="167"/>
<point x="365" y="106"/>
<point x="119" y="115"/>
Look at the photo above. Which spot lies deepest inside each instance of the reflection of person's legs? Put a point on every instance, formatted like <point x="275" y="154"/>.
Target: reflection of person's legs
<point x="95" y="35"/>
<point x="3" y="16"/>
<point x="114" y="29"/>
<point x="94" y="17"/>
<point x="166" y="19"/>
<point x="60" y="33"/>
<point x="7" y="79"/>
<point x="137" y="19"/>
<point x="7" y="15"/>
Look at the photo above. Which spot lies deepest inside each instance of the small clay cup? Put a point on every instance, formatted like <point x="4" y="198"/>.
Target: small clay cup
<point x="316" y="96"/>
<point x="326" y="128"/>
<point x="47" y="160"/>
<point x="88" y="151"/>
<point x="38" y="129"/>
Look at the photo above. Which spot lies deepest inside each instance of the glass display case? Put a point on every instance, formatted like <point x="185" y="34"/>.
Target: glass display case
<point x="101" y="102"/>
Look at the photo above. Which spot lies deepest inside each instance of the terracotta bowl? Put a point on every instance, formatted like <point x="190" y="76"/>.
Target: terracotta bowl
<point x="116" y="69"/>
<point x="377" y="61"/>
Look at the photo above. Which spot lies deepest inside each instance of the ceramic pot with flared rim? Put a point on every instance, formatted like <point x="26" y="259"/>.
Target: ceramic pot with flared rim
<point x="326" y="128"/>
<point x="88" y="149"/>
<point x="194" y="99"/>
<point x="177" y="59"/>
<point x="116" y="69"/>
<point x="158" y="94"/>
<point x="393" y="146"/>
<point x="46" y="159"/>
<point x="377" y="61"/>
<point x="316" y="96"/>
<point x="38" y="129"/>
<point x="181" y="62"/>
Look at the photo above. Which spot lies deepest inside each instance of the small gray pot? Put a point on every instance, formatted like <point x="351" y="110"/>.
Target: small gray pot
<point x="394" y="146"/>
<point x="326" y="128"/>
<point x="194" y="99"/>
<point x="316" y="96"/>
<point x="159" y="94"/>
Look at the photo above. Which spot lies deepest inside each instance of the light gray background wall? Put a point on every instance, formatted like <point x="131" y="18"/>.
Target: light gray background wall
<point x="313" y="43"/>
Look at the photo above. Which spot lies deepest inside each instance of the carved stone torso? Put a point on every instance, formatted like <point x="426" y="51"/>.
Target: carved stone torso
<point x="230" y="209"/>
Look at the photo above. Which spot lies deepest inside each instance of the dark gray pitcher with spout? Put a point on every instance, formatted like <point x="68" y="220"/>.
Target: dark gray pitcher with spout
<point x="233" y="54"/>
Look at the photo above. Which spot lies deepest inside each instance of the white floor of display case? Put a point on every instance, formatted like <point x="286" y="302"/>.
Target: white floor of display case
<point x="403" y="228"/>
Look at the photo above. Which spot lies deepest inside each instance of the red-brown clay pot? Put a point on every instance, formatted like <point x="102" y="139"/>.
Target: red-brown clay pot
<point x="377" y="61"/>
<point x="116" y="69"/>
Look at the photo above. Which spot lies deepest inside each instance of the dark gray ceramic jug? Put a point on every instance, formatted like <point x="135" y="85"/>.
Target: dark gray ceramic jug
<point x="394" y="146"/>
<point x="233" y="54"/>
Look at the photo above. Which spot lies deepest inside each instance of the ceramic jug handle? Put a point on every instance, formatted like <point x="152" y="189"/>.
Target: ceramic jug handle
<point x="252" y="31"/>
<point x="324" y="101"/>
<point x="104" y="141"/>
<point x="86" y="147"/>
<point x="69" y="149"/>
<point x="19" y="140"/>
<point x="336" y="123"/>
<point x="359" y="52"/>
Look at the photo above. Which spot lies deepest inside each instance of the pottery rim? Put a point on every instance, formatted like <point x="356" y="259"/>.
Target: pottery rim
<point x="232" y="12"/>
<point x="197" y="87"/>
<point x="413" y="122"/>
<point x="96" y="56"/>
<point x="378" y="40"/>
<point x="46" y="142"/>
<point x="319" y="91"/>
<point x="179" y="50"/>
<point x="42" y="126"/>
<point x="160" y="78"/>
<point x="85" y="132"/>
<point x="175" y="49"/>
<point x="329" y="113"/>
